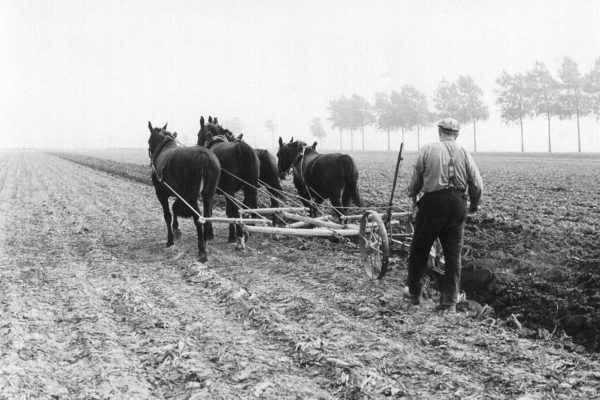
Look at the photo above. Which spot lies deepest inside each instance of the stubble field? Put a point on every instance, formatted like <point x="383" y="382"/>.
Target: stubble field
<point x="94" y="306"/>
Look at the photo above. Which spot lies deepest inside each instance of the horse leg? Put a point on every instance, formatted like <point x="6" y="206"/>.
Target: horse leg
<point x="207" y="204"/>
<point x="250" y="201"/>
<point x="336" y="202"/>
<point x="232" y="212"/>
<point x="176" y="230"/>
<point x="200" y="231"/>
<point x="275" y="196"/>
<point x="164" y="202"/>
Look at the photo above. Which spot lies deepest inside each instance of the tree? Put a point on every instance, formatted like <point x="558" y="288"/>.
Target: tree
<point x="592" y="88"/>
<point x="471" y="107"/>
<point x="402" y="108"/>
<point x="270" y="125"/>
<point x="361" y="115"/>
<point x="425" y="118"/>
<point x="316" y="128"/>
<point x="386" y="117"/>
<point x="513" y="99"/>
<point x="413" y="110"/>
<point x="340" y="115"/>
<point x="446" y="100"/>
<point x="572" y="99"/>
<point x="543" y="90"/>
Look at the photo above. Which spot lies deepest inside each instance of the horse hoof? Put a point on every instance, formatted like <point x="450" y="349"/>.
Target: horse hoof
<point x="177" y="234"/>
<point x="241" y="245"/>
<point x="170" y="243"/>
<point x="231" y="240"/>
<point x="202" y="257"/>
<point x="210" y="236"/>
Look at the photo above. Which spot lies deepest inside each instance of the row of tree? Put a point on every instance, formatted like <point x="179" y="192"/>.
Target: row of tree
<point x="406" y="110"/>
<point x="537" y="92"/>
<point x="518" y="96"/>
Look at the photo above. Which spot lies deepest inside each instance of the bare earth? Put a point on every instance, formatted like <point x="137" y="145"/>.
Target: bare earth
<point x="94" y="306"/>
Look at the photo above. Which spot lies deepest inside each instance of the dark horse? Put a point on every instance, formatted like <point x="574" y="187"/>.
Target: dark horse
<point x="319" y="176"/>
<point x="269" y="176"/>
<point x="239" y="171"/>
<point x="188" y="171"/>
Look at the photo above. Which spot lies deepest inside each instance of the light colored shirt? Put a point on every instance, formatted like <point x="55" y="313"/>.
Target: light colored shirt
<point x="431" y="172"/>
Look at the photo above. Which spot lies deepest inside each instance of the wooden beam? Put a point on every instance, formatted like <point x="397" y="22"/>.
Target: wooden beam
<point x="316" y="232"/>
<point x="312" y="221"/>
<point x="271" y="210"/>
<point x="258" y="221"/>
<point x="359" y="216"/>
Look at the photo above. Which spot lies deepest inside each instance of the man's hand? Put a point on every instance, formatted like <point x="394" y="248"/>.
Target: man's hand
<point x="413" y="206"/>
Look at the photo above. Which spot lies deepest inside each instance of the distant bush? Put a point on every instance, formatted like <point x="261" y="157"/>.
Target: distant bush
<point x="134" y="172"/>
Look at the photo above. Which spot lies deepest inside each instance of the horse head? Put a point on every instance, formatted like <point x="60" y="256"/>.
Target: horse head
<point x="287" y="155"/>
<point x="156" y="137"/>
<point x="212" y="129"/>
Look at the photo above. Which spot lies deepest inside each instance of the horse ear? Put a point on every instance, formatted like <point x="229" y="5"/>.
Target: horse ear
<point x="165" y="127"/>
<point x="210" y="119"/>
<point x="280" y="142"/>
<point x="150" y="126"/>
<point x="314" y="146"/>
<point x="292" y="139"/>
<point x="174" y="134"/>
<point x="215" y="121"/>
<point x="202" y="121"/>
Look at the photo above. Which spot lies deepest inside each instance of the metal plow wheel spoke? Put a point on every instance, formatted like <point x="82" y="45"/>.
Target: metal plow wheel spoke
<point x="373" y="245"/>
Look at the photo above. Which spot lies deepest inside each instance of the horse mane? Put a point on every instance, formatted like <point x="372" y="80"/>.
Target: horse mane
<point x="307" y="149"/>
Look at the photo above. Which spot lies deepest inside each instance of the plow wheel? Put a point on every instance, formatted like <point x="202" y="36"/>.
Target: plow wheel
<point x="374" y="245"/>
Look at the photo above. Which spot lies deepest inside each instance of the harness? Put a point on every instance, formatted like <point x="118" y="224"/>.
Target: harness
<point x="452" y="184"/>
<point x="298" y="171"/>
<point x="154" y="156"/>
<point x="216" y="139"/>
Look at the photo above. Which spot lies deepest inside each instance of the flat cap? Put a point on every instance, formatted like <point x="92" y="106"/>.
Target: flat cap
<point x="449" y="124"/>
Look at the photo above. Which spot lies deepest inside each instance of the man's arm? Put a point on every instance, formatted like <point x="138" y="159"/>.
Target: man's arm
<point x="416" y="179"/>
<point x="474" y="182"/>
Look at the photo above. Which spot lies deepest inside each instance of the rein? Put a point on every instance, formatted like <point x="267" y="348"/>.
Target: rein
<point x="160" y="147"/>
<point x="154" y="156"/>
<point x="298" y="171"/>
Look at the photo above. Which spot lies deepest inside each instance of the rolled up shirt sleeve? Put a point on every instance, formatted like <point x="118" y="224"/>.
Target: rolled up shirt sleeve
<point x="474" y="181"/>
<point x="416" y="179"/>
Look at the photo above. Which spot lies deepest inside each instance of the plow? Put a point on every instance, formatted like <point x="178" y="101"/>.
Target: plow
<point x="375" y="233"/>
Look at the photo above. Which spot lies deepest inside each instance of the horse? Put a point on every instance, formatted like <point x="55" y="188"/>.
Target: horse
<point x="189" y="172"/>
<point x="240" y="169"/>
<point x="318" y="177"/>
<point x="269" y="176"/>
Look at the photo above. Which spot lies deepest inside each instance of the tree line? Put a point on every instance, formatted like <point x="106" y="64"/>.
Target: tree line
<point x="529" y="94"/>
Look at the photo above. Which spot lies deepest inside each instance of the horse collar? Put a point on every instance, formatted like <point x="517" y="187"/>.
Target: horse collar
<point x="299" y="158"/>
<point x="160" y="147"/>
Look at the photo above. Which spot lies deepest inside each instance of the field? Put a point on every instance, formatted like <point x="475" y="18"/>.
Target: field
<point x="94" y="306"/>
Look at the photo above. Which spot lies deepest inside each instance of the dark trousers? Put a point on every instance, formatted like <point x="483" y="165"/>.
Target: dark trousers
<point x="442" y="215"/>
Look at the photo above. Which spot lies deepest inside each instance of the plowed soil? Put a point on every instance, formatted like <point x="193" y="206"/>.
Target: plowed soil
<point x="94" y="306"/>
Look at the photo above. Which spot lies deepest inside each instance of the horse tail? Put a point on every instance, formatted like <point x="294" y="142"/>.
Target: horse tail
<point x="249" y="163"/>
<point x="269" y="172"/>
<point x="350" y="174"/>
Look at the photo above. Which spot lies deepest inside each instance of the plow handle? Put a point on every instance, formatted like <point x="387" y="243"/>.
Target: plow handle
<point x="388" y="214"/>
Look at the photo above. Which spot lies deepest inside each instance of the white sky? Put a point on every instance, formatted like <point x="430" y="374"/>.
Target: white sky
<point x="92" y="73"/>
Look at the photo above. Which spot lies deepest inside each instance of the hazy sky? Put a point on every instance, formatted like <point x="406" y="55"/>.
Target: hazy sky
<point x="92" y="73"/>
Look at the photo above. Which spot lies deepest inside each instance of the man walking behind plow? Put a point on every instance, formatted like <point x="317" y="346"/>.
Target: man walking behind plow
<point x="444" y="173"/>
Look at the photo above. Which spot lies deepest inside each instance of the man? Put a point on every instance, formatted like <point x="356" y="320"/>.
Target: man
<point x="443" y="172"/>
